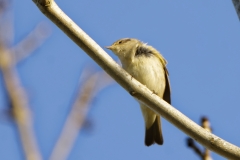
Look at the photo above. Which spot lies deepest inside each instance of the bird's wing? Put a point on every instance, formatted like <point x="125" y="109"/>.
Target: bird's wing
<point x="167" y="92"/>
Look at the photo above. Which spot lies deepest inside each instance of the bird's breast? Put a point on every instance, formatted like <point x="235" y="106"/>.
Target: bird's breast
<point x="149" y="71"/>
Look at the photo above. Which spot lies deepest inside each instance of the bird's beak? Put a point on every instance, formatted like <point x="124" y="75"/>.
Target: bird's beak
<point x="109" y="47"/>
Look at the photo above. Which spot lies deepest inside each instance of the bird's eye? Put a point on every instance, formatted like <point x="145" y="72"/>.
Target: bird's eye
<point x="123" y="41"/>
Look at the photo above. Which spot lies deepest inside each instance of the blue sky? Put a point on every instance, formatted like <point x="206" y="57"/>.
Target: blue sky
<point x="199" y="39"/>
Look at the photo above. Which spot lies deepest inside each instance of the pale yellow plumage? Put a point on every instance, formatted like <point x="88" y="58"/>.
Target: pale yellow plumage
<point x="148" y="66"/>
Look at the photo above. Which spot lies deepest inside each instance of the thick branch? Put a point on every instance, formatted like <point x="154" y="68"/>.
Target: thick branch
<point x="210" y="141"/>
<point x="20" y="106"/>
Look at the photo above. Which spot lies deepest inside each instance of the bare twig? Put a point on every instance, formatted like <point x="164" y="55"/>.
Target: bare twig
<point x="76" y="118"/>
<point x="3" y="6"/>
<point x="31" y="42"/>
<point x="20" y="108"/>
<point x="6" y="21"/>
<point x="196" y="149"/>
<point x="139" y="91"/>
<point x="204" y="155"/>
<point x="18" y="101"/>
<point x="236" y="4"/>
<point x="206" y="125"/>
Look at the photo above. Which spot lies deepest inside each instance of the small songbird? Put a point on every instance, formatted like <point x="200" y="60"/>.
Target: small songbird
<point x="148" y="66"/>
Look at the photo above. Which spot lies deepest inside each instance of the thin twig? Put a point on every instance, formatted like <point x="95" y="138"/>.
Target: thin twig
<point x="141" y="92"/>
<point x="206" y="125"/>
<point x="4" y="4"/>
<point x="236" y="4"/>
<point x="78" y="114"/>
<point x="194" y="147"/>
<point x="204" y="155"/>
<point x="20" y="108"/>
<point x="31" y="42"/>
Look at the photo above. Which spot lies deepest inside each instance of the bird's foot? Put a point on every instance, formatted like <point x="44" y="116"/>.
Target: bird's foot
<point x="132" y="93"/>
<point x="154" y="92"/>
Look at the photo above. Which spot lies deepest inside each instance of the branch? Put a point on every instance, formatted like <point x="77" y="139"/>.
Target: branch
<point x="137" y="90"/>
<point x="204" y="155"/>
<point x="4" y="4"/>
<point x="20" y="108"/>
<point x="236" y="4"/>
<point x="196" y="149"/>
<point x="78" y="114"/>
<point x="31" y="42"/>
<point x="206" y="125"/>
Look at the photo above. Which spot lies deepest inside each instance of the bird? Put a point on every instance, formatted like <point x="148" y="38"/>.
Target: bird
<point x="148" y="66"/>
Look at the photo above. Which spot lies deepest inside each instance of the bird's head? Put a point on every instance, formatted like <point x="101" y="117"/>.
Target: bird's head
<point x="125" y="48"/>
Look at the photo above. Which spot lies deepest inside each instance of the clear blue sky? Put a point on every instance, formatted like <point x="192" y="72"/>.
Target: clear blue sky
<point x="199" y="39"/>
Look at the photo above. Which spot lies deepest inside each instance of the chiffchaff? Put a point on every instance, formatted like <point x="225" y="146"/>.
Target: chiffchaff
<point x="148" y="66"/>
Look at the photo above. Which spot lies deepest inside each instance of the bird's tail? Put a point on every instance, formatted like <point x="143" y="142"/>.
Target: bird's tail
<point x="154" y="133"/>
